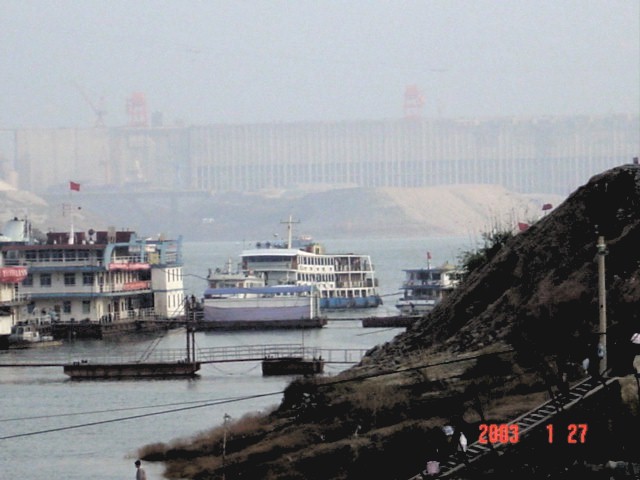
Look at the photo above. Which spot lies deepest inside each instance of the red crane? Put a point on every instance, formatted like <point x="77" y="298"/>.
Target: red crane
<point x="413" y="102"/>
<point x="137" y="110"/>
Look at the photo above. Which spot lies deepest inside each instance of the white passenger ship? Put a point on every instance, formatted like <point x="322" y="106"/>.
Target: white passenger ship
<point x="424" y="288"/>
<point x="95" y="283"/>
<point x="343" y="280"/>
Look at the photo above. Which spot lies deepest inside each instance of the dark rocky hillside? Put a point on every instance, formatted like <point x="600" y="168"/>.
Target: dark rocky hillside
<point x="493" y="349"/>
<point x="539" y="293"/>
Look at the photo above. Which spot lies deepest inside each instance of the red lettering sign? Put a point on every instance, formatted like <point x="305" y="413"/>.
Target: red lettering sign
<point x="129" y="266"/>
<point x="12" y="274"/>
<point x="142" y="285"/>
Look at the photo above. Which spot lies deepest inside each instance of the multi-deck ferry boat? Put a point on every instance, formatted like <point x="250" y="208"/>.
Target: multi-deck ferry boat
<point x="343" y="280"/>
<point x="95" y="283"/>
<point x="424" y="288"/>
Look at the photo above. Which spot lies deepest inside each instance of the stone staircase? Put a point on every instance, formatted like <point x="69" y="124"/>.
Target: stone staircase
<point x="526" y="424"/>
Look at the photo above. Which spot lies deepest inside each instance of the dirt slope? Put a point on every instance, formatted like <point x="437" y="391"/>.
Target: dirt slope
<point x="536" y="300"/>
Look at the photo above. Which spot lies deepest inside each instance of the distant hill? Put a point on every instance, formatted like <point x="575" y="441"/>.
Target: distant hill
<point x="329" y="213"/>
<point x="379" y="212"/>
<point x="324" y="213"/>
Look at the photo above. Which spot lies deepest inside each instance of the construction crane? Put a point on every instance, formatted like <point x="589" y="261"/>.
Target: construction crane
<point x="98" y="109"/>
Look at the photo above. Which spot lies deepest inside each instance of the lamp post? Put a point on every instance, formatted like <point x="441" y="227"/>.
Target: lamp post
<point x="602" y="306"/>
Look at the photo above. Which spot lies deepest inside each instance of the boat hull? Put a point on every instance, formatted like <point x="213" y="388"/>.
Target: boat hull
<point x="341" y="303"/>
<point x="131" y="370"/>
<point x="318" y="322"/>
<point x="416" y="307"/>
<point x="249" y="311"/>
<point x="20" y="345"/>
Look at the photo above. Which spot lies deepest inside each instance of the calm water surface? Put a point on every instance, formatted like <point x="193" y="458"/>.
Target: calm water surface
<point x="110" y="420"/>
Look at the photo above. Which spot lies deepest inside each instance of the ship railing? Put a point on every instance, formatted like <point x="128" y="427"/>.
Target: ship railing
<point x="41" y="320"/>
<point x="165" y="355"/>
<point x="258" y="352"/>
<point x="122" y="287"/>
<point x="210" y="355"/>
<point x="53" y="262"/>
<point x="134" y="314"/>
<point x="124" y="259"/>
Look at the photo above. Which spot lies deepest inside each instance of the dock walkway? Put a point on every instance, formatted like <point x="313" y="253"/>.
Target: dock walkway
<point x="243" y="353"/>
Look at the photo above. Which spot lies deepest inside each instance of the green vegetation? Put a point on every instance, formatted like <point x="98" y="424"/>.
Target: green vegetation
<point x="493" y="241"/>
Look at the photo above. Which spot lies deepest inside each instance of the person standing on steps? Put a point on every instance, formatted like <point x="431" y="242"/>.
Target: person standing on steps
<point x="140" y="473"/>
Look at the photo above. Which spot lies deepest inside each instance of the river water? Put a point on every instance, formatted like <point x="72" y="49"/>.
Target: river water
<point x="54" y="428"/>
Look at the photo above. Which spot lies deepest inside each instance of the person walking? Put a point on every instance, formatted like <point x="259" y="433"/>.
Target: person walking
<point x="140" y="473"/>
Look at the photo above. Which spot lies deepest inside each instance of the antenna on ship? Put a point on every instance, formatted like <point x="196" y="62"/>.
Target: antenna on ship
<point x="289" y="223"/>
<point x="73" y="187"/>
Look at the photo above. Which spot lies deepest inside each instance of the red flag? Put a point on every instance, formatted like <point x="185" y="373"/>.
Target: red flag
<point x="547" y="206"/>
<point x="428" y="255"/>
<point x="523" y="226"/>
<point x="74" y="186"/>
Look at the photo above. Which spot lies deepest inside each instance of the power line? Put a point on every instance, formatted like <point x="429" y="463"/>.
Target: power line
<point x="260" y="395"/>
<point x="111" y="410"/>
<point x="143" y="415"/>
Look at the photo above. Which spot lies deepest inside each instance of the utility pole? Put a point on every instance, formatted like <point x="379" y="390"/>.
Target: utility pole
<point x="602" y="305"/>
<point x="226" y="418"/>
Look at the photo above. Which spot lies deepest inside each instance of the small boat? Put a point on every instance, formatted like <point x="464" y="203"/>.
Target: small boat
<point x="30" y="334"/>
<point x="424" y="288"/>
<point x="292" y="366"/>
<point x="283" y="306"/>
<point x="226" y="277"/>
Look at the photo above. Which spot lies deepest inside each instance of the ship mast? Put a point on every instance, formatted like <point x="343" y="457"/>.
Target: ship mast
<point x="289" y="223"/>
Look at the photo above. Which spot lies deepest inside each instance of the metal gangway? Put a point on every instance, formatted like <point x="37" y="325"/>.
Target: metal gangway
<point x="248" y="353"/>
<point x="223" y="354"/>
<point x="526" y="424"/>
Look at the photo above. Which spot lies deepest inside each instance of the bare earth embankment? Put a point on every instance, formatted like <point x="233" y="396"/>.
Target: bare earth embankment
<point x="520" y="320"/>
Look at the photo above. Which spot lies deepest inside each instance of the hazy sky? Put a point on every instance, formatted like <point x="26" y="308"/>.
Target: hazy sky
<point x="204" y="62"/>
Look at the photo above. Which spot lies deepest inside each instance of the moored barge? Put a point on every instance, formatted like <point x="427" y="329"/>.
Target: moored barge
<point x="116" y="371"/>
